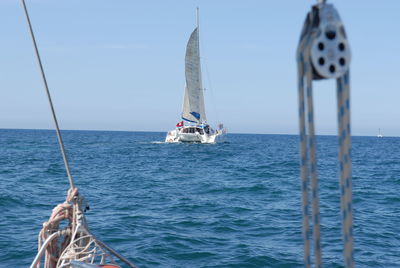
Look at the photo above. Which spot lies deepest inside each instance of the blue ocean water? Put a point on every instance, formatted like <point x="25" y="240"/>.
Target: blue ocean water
<point x="230" y="204"/>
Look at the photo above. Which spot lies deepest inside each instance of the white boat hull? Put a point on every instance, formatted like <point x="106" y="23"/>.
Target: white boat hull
<point x="177" y="135"/>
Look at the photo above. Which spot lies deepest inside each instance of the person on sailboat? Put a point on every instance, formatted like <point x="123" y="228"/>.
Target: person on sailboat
<point x="207" y="129"/>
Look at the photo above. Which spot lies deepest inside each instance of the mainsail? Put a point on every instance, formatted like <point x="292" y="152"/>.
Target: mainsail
<point x="193" y="100"/>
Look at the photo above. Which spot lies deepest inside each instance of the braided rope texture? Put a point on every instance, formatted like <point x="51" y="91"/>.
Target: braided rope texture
<point x="308" y="158"/>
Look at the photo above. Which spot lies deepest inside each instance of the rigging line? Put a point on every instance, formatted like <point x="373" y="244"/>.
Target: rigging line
<point x="343" y="101"/>
<point x="211" y="89"/>
<point x="304" y="173"/>
<point x="313" y="173"/>
<point x="204" y="58"/>
<point x="308" y="156"/>
<point x="60" y="141"/>
<point x="200" y="44"/>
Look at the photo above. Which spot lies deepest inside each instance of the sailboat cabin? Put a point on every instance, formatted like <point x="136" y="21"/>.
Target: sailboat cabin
<point x="193" y="130"/>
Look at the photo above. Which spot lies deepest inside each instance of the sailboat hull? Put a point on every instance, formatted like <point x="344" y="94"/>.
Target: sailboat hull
<point x="182" y="135"/>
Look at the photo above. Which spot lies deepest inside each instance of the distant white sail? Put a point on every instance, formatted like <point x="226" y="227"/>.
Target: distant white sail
<point x="193" y="100"/>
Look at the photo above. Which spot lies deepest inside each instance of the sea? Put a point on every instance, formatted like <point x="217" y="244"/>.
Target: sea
<point x="236" y="203"/>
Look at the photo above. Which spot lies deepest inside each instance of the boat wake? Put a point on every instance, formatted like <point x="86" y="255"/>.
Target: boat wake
<point x="158" y="142"/>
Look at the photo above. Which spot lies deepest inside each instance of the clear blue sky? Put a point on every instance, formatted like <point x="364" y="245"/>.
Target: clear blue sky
<point x="119" y="64"/>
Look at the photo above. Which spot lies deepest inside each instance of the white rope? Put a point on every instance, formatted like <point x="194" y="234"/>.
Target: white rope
<point x="81" y="244"/>
<point x="333" y="57"/>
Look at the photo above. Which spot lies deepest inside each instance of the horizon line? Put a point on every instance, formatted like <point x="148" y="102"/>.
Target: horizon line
<point x="154" y="131"/>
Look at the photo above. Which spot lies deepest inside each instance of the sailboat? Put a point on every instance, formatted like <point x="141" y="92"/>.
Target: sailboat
<point x="194" y="126"/>
<point x="379" y="134"/>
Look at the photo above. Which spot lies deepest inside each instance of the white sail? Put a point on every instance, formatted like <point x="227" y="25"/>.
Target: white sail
<point x="193" y="100"/>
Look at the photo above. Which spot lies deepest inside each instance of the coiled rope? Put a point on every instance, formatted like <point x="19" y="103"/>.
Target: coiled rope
<point x="324" y="53"/>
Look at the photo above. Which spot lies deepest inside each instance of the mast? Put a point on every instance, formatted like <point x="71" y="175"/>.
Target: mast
<point x="198" y="41"/>
<point x="197" y="16"/>
<point x="198" y="48"/>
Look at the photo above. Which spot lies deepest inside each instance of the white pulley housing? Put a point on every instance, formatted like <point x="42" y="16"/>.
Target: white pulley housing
<point x="330" y="51"/>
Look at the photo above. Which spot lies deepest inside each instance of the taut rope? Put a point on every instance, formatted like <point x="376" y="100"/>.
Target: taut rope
<point x="324" y="53"/>
<point x="60" y="141"/>
<point x="78" y="244"/>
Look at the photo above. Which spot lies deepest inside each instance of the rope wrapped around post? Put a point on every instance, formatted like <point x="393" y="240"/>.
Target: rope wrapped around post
<point x="60" y="213"/>
<point x="323" y="53"/>
<point x="77" y="242"/>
